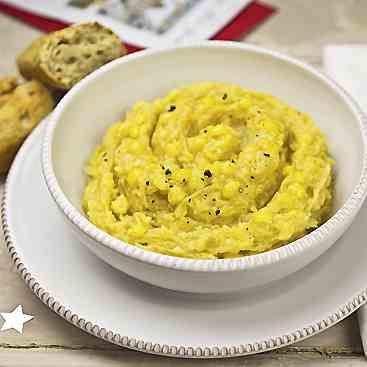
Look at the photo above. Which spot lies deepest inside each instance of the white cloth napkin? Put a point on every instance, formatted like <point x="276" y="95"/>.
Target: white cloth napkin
<point x="347" y="64"/>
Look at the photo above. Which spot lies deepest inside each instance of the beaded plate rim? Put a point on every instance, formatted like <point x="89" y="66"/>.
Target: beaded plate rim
<point x="177" y="351"/>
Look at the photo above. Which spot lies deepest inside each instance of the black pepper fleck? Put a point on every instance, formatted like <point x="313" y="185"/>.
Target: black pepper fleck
<point x="217" y="212"/>
<point x="205" y="195"/>
<point x="167" y="171"/>
<point x="210" y="213"/>
<point x="252" y="177"/>
<point x="202" y="179"/>
<point x="225" y="95"/>
<point x="183" y="180"/>
<point x="147" y="183"/>
<point x="266" y="154"/>
<point x="214" y="199"/>
<point x="232" y="161"/>
<point x="188" y="222"/>
<point x="163" y="167"/>
<point x="153" y="201"/>
<point x="170" y="186"/>
<point x="189" y="200"/>
<point x="145" y="243"/>
<point x="207" y="173"/>
<point x="172" y="108"/>
<point x="205" y="131"/>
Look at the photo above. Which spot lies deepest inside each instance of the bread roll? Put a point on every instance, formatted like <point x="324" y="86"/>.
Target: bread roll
<point x="23" y="108"/>
<point x="63" y="58"/>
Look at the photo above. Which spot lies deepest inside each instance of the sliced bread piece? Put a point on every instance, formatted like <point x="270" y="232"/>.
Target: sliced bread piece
<point x="63" y="58"/>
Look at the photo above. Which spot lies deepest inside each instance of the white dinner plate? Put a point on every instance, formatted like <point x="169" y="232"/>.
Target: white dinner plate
<point x="110" y="305"/>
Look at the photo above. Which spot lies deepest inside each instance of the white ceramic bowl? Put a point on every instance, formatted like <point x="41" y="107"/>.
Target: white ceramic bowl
<point x="83" y="115"/>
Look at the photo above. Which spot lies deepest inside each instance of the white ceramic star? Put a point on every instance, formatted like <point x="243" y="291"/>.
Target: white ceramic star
<point x="15" y="319"/>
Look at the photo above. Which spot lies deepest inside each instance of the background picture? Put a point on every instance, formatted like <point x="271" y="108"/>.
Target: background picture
<point x="153" y="15"/>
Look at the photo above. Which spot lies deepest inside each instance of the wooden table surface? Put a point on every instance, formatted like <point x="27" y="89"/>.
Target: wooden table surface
<point x="300" y="28"/>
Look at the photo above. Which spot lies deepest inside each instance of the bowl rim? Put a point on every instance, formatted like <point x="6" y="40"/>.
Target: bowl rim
<point x="341" y="218"/>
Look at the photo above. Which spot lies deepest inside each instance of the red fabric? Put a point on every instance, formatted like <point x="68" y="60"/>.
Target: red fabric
<point x="255" y="13"/>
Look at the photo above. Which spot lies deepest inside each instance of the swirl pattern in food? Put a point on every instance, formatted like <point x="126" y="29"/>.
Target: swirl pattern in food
<point x="210" y="171"/>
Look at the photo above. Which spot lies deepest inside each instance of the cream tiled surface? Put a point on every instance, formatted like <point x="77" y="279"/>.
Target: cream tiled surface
<point x="300" y="28"/>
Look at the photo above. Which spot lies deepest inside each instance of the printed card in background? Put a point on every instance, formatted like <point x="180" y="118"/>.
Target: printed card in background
<point x="144" y="23"/>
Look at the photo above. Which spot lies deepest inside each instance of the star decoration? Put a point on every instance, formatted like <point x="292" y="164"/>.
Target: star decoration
<point x="15" y="319"/>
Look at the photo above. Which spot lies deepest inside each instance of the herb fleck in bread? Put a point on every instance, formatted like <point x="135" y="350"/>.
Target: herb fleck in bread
<point x="62" y="58"/>
<point x="22" y="109"/>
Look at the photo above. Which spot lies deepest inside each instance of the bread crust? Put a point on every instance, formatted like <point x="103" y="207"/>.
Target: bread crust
<point x="25" y="106"/>
<point x="7" y="85"/>
<point x="63" y="58"/>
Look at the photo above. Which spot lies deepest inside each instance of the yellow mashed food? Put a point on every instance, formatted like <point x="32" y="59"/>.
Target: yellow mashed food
<point x="210" y="171"/>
